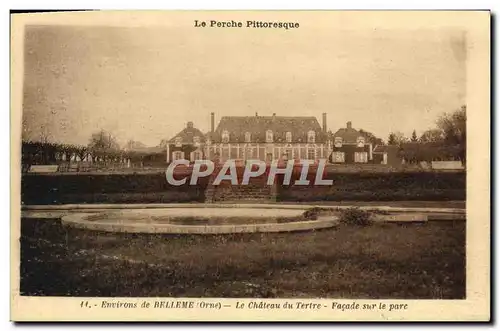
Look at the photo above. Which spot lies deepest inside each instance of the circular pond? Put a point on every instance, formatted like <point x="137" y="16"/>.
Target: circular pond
<point x="199" y="220"/>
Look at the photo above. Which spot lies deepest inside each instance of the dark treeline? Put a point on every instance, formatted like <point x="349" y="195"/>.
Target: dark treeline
<point x="447" y="141"/>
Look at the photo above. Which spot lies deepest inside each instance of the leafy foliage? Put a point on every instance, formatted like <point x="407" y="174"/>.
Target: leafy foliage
<point x="396" y="138"/>
<point x="392" y="139"/>
<point x="313" y="213"/>
<point x="445" y="142"/>
<point x="103" y="141"/>
<point x="414" y="138"/>
<point x="371" y="138"/>
<point x="431" y="136"/>
<point x="453" y="126"/>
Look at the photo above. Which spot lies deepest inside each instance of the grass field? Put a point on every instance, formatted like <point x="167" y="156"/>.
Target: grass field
<point x="379" y="261"/>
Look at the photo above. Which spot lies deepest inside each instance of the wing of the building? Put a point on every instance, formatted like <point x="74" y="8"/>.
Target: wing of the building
<point x="267" y="138"/>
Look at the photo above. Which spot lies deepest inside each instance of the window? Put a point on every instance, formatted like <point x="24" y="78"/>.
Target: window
<point x="178" y="141"/>
<point x="249" y="153"/>
<point x="196" y="140"/>
<point x="177" y="155"/>
<point x="289" y="154"/>
<point x="196" y="155"/>
<point x="238" y="152"/>
<point x="269" y="136"/>
<point x="248" y="137"/>
<point x="311" y="154"/>
<point x="288" y="137"/>
<point x="311" y="137"/>
<point x="361" y="141"/>
<point x="338" y="157"/>
<point x="225" y="136"/>
<point x="338" y="142"/>
<point x="225" y="153"/>
<point x="361" y="157"/>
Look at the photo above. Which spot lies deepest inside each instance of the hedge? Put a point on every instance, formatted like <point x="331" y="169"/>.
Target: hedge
<point x="153" y="188"/>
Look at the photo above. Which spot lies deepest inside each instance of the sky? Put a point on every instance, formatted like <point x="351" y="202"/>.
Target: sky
<point x="146" y="83"/>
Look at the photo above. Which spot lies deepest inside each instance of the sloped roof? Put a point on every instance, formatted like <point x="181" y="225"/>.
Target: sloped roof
<point x="187" y="135"/>
<point x="237" y="126"/>
<point x="348" y="135"/>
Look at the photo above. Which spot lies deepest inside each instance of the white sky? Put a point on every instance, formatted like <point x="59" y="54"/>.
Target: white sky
<point x="146" y="83"/>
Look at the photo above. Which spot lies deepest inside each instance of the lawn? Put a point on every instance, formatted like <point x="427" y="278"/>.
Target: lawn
<point x="414" y="261"/>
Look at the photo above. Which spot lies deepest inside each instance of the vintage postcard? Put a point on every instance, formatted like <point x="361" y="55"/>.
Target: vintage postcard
<point x="250" y="166"/>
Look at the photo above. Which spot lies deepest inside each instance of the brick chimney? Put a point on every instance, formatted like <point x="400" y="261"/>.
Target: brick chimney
<point x="349" y="125"/>
<point x="212" y="122"/>
<point x="324" y="122"/>
<point x="190" y="125"/>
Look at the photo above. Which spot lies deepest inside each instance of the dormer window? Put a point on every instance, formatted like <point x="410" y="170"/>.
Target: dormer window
<point x="248" y="137"/>
<point x="338" y="142"/>
<point x="225" y="136"/>
<point x="196" y="140"/>
<point x="288" y="137"/>
<point x="178" y="142"/>
<point x="269" y="136"/>
<point x="361" y="141"/>
<point x="311" y="137"/>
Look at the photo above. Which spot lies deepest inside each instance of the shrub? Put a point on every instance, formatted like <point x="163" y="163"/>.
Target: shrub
<point x="314" y="212"/>
<point x="311" y="214"/>
<point x="355" y="216"/>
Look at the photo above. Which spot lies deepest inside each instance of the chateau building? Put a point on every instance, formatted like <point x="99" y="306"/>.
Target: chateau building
<point x="273" y="137"/>
<point x="267" y="138"/>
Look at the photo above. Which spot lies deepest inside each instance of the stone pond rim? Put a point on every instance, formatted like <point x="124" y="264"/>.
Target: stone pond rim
<point x="143" y="221"/>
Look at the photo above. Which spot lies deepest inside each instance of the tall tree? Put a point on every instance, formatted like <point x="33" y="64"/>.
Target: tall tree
<point x="163" y="143"/>
<point x="133" y="144"/>
<point x="392" y="139"/>
<point x="414" y="138"/>
<point x="370" y="137"/>
<point x="82" y="152"/>
<point x="453" y="127"/>
<point x="103" y="141"/>
<point x="431" y="136"/>
<point x="396" y="138"/>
